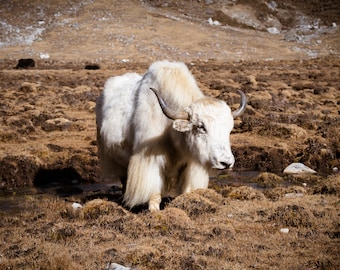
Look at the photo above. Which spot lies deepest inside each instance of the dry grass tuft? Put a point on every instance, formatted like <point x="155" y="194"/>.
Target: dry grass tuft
<point x="292" y="216"/>
<point x="95" y="208"/>
<point x="168" y="220"/>
<point x="246" y="193"/>
<point x="197" y="203"/>
<point x="268" y="180"/>
<point x="329" y="185"/>
<point x="278" y="193"/>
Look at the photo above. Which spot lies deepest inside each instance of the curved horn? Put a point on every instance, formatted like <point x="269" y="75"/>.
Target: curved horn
<point x="242" y="107"/>
<point x="167" y="111"/>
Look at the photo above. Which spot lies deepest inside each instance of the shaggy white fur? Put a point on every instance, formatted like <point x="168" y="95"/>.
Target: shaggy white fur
<point x="138" y="142"/>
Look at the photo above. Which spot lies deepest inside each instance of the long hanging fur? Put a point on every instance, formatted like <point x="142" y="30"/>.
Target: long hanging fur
<point x="138" y="142"/>
<point x="152" y="129"/>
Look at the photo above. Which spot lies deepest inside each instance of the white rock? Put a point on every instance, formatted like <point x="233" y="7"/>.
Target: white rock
<point x="298" y="168"/>
<point x="284" y="230"/>
<point x="116" y="266"/>
<point x="212" y="22"/>
<point x="59" y="123"/>
<point x="273" y="30"/>
<point x="293" y="195"/>
<point x="272" y="5"/>
<point x="76" y="206"/>
<point x="44" y="56"/>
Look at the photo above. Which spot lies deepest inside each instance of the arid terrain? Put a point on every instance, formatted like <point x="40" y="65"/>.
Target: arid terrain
<point x="285" y="55"/>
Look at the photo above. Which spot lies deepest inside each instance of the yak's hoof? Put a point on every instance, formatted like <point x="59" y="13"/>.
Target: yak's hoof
<point x="154" y="202"/>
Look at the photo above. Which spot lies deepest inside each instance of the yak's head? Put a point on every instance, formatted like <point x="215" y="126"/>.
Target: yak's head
<point x="207" y="124"/>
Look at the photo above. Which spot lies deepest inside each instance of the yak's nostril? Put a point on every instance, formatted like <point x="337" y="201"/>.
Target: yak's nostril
<point x="224" y="164"/>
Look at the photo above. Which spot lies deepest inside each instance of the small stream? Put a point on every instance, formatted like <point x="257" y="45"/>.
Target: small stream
<point x="16" y="200"/>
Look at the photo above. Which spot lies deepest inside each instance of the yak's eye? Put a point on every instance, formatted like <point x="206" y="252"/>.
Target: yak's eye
<point x="201" y="128"/>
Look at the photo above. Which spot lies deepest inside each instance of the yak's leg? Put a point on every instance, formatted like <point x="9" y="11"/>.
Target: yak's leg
<point x="123" y="180"/>
<point x="155" y="201"/>
<point x="145" y="181"/>
<point x="195" y="176"/>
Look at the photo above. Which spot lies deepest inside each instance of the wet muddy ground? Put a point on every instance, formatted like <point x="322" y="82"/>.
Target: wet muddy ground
<point x="253" y="217"/>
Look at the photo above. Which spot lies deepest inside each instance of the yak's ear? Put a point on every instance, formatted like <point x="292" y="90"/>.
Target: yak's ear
<point x="182" y="125"/>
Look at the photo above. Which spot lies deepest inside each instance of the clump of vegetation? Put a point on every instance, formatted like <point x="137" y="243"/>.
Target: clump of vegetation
<point x="329" y="185"/>
<point x="267" y="180"/>
<point x="245" y="193"/>
<point x="292" y="216"/>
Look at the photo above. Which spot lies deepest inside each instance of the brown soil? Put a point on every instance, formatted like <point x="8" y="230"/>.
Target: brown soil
<point x="48" y="135"/>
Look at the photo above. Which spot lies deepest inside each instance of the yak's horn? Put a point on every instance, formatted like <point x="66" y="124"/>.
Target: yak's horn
<point x="242" y="107"/>
<point x="167" y="111"/>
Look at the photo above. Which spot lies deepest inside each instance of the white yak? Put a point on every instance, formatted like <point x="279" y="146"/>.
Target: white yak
<point x="158" y="131"/>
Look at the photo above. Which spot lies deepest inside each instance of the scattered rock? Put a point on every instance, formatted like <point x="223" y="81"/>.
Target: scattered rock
<point x="116" y="266"/>
<point x="212" y="22"/>
<point x="298" y="168"/>
<point x="277" y="193"/>
<point x="292" y="36"/>
<point x="56" y="124"/>
<point x="294" y="195"/>
<point x="273" y="30"/>
<point x="44" y="56"/>
<point x="244" y="16"/>
<point x="284" y="230"/>
<point x="76" y="206"/>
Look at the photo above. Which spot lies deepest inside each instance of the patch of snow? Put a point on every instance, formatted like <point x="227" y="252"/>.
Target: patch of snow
<point x="15" y="36"/>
